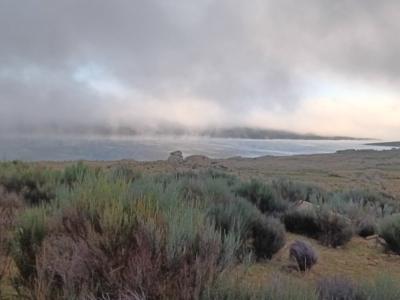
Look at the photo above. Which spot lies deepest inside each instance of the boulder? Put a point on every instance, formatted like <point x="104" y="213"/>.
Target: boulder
<point x="303" y="205"/>
<point x="175" y="157"/>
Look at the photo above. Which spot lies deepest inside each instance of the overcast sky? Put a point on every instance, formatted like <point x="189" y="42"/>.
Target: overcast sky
<point x="322" y="66"/>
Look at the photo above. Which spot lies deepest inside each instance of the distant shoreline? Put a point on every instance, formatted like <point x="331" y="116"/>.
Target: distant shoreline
<point x="61" y="147"/>
<point x="385" y="144"/>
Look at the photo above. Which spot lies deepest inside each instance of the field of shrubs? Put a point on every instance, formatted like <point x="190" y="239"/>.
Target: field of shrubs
<point x="95" y="233"/>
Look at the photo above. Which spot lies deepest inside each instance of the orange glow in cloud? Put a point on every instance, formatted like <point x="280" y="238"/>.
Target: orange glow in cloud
<point x="351" y="109"/>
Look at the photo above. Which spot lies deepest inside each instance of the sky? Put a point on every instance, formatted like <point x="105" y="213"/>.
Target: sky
<point x="319" y="66"/>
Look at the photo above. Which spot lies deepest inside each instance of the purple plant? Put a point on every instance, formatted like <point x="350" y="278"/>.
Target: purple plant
<point x="304" y="255"/>
<point x="339" y="288"/>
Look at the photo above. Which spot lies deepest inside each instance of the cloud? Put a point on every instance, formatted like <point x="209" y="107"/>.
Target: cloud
<point x="196" y="63"/>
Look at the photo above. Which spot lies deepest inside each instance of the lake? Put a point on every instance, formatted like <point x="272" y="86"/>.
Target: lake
<point x="143" y="148"/>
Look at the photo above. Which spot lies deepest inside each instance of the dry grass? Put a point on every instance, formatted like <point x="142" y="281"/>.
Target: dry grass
<point x="10" y="204"/>
<point x="360" y="259"/>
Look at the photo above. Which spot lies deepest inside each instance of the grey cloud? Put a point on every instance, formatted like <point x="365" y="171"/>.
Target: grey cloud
<point x="238" y="54"/>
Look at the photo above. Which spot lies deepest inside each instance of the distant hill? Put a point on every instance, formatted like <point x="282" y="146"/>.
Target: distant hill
<point x="255" y="133"/>
<point x="174" y="130"/>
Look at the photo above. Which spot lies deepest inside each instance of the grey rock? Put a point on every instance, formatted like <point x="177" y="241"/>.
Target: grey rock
<point x="176" y="157"/>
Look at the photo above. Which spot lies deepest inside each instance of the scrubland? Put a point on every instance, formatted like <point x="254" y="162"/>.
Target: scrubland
<point x="205" y="231"/>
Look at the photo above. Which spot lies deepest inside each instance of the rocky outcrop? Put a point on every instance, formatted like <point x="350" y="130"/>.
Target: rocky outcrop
<point x="175" y="157"/>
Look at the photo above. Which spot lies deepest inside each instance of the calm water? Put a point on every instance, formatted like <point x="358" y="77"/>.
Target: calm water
<point x="154" y="148"/>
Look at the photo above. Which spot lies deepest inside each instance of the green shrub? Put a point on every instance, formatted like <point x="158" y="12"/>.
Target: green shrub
<point x="108" y="237"/>
<point x="383" y="287"/>
<point x="246" y="221"/>
<point x="75" y="173"/>
<point x="330" y="228"/>
<point x="366" y="227"/>
<point x="192" y="190"/>
<point x="230" y="180"/>
<point x="125" y="172"/>
<point x="28" y="237"/>
<point x="356" y="203"/>
<point x="302" y="221"/>
<point x="96" y="234"/>
<point x="35" y="185"/>
<point x="390" y="232"/>
<point x="262" y="196"/>
<point x="236" y="215"/>
<point x="268" y="237"/>
<point x="334" y="229"/>
<point x="365" y="197"/>
<point x="241" y="218"/>
<point x="295" y="191"/>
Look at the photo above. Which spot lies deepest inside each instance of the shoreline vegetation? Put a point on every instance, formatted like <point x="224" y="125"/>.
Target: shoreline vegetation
<point x="302" y="227"/>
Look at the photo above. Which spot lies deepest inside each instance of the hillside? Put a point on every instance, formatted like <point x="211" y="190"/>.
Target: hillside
<point x="258" y="133"/>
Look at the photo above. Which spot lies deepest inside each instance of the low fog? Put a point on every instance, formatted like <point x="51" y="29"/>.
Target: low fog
<point x="320" y="66"/>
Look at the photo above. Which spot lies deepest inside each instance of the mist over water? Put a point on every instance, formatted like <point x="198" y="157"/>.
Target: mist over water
<point x="323" y="67"/>
<point x="146" y="148"/>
